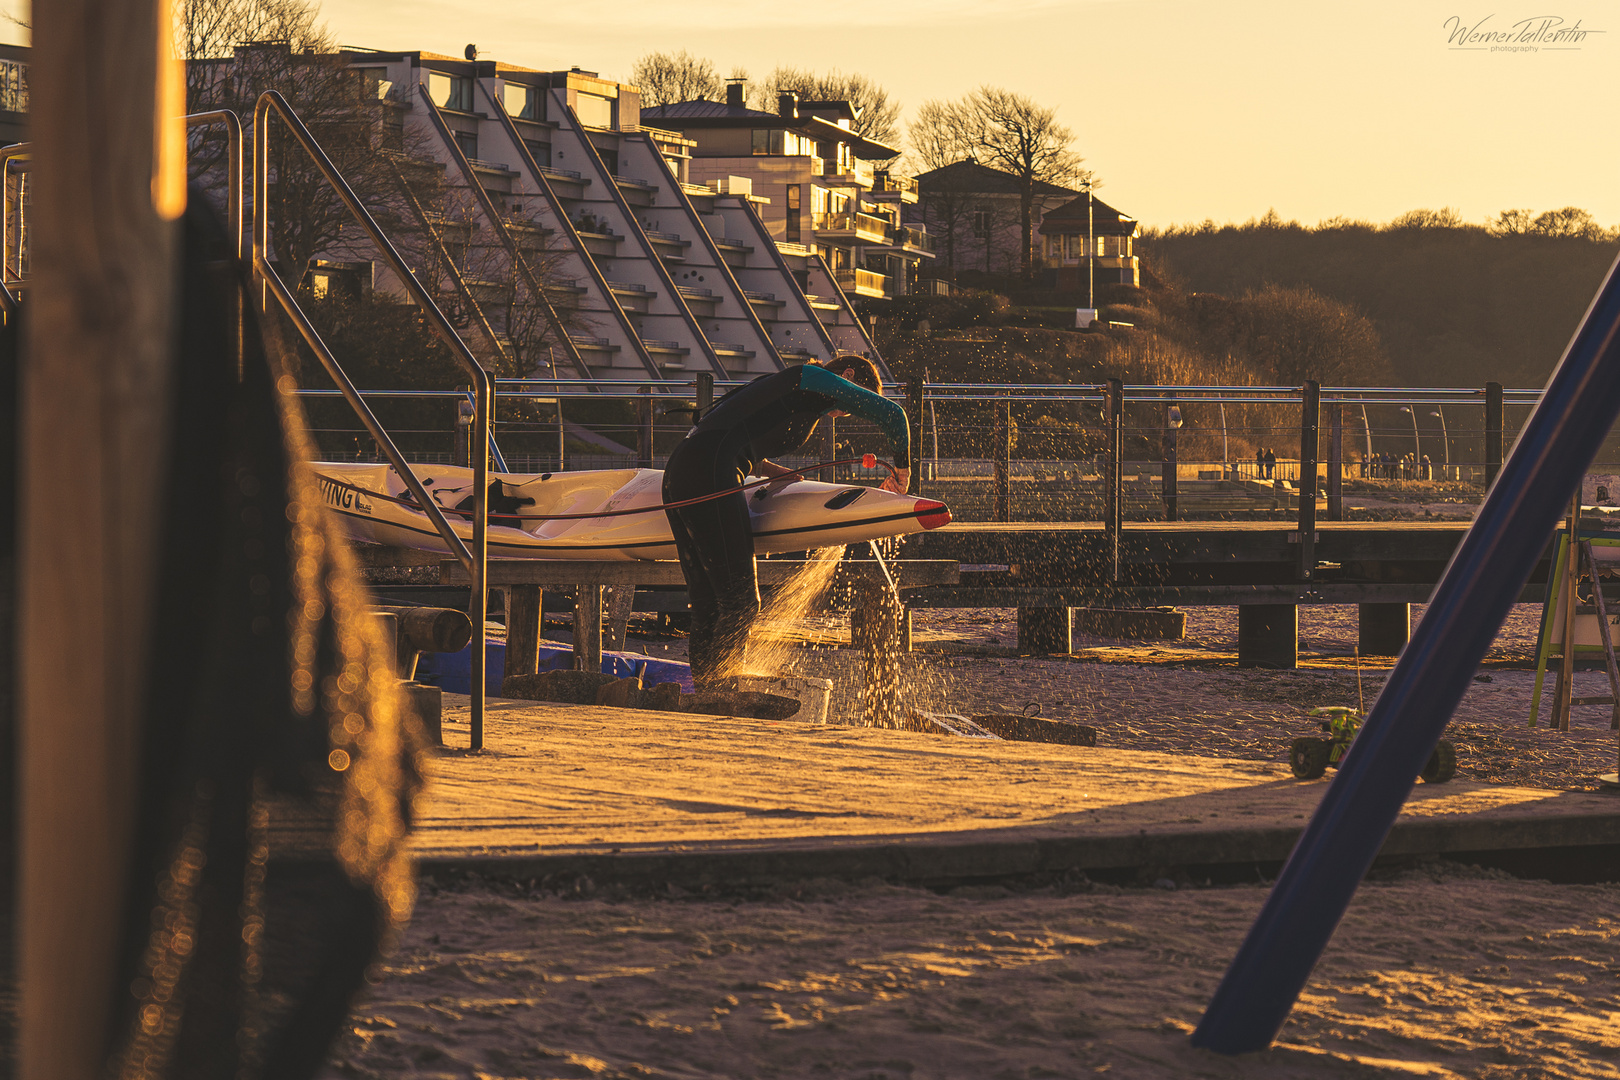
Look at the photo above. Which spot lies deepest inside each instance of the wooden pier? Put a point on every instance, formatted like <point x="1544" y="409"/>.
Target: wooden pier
<point x="640" y="798"/>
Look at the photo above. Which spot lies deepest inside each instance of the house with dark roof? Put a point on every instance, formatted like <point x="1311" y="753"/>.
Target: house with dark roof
<point x="814" y="180"/>
<point x="1089" y="241"/>
<point x="973" y="213"/>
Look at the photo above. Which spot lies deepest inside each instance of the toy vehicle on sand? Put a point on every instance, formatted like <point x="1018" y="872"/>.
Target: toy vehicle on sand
<point x="1310" y="757"/>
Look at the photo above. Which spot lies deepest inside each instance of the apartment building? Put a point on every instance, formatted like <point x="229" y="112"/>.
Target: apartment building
<point x="1086" y="237"/>
<point x="825" y="193"/>
<point x="574" y="213"/>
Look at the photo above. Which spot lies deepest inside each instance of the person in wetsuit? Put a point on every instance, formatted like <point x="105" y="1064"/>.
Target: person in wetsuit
<point x="772" y="415"/>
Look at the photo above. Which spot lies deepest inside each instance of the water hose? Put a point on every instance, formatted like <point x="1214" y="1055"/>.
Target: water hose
<point x="865" y="461"/>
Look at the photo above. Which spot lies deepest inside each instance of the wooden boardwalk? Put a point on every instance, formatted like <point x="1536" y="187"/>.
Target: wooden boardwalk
<point x="615" y="795"/>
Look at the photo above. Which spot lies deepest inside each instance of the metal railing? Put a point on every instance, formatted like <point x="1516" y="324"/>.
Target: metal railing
<point x="906" y="236"/>
<point x="857" y="279"/>
<point x="475" y="560"/>
<point x="885" y="181"/>
<point x="853" y="221"/>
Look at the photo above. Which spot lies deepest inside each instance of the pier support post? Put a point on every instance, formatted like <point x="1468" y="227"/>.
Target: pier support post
<point x="1116" y="472"/>
<point x="588" y="629"/>
<point x="1385" y="628"/>
<point x="1493" y="432"/>
<point x="1168" y="469"/>
<point x="1335" y="477"/>
<point x="914" y="416"/>
<point x="1310" y="435"/>
<point x="644" y="429"/>
<point x="523" y="605"/>
<point x="1046" y="630"/>
<point x="1268" y="636"/>
<point x="1003" y="462"/>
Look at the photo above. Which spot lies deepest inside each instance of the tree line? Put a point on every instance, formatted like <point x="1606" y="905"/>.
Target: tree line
<point x="1454" y="303"/>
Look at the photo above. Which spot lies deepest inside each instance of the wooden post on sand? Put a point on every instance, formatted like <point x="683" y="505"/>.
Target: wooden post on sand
<point x="109" y="156"/>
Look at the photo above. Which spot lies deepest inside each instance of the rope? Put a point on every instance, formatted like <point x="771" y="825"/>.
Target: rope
<point x="866" y="461"/>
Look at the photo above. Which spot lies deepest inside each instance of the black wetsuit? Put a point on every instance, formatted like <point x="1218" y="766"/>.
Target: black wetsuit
<point x="772" y="415"/>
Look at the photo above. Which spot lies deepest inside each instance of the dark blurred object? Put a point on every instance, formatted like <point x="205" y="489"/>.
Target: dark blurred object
<point x="272" y="694"/>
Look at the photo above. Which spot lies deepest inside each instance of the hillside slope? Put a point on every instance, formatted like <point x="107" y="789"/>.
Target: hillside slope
<point x="1453" y="306"/>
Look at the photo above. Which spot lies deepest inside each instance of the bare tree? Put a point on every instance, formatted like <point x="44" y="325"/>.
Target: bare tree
<point x="1568" y="221"/>
<point x="1512" y="222"/>
<point x="942" y="135"/>
<point x="876" y="117"/>
<point x="667" y="78"/>
<point x="1014" y="134"/>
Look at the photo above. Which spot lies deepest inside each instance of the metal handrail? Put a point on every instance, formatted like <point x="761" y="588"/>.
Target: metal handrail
<point x="476" y="560"/>
<point x="8" y="299"/>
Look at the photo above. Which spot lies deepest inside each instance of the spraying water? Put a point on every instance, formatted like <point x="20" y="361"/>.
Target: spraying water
<point x="771" y="645"/>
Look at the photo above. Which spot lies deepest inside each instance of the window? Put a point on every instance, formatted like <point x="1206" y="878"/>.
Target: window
<point x="981" y="223"/>
<point x="374" y="84"/>
<point x="13" y="86"/>
<point x="450" y="91"/>
<point x="761" y="141"/>
<point x="594" y="110"/>
<point x="610" y="160"/>
<point x="793" y="218"/>
<point x="521" y="101"/>
<point x="541" y="151"/>
<point x="468" y="143"/>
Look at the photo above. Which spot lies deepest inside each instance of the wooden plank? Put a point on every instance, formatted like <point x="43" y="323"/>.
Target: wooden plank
<point x="592" y="788"/>
<point x="110" y="171"/>
<point x="911" y="573"/>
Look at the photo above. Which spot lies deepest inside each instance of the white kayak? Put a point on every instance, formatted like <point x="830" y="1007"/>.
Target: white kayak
<point x="376" y="507"/>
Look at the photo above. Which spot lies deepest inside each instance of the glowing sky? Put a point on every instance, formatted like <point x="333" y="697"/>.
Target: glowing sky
<point x="1187" y="110"/>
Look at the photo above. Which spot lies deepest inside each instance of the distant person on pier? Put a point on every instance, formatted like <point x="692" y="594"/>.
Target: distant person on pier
<point x="1271" y="464"/>
<point x="1260" y="463"/>
<point x="772" y="415"/>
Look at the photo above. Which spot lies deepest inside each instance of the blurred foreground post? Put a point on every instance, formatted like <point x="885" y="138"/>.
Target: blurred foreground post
<point x="109" y="160"/>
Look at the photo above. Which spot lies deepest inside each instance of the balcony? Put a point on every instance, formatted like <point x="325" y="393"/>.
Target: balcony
<point x="887" y="187"/>
<point x="858" y="174"/>
<point x="851" y="226"/>
<point x="905" y="240"/>
<point x="862" y="282"/>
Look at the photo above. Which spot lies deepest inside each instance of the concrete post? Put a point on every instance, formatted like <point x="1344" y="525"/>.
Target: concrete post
<point x="1268" y="636"/>
<point x="1384" y="628"/>
<point x="1046" y="630"/>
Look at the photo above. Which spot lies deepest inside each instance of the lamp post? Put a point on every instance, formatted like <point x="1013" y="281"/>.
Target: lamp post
<point x="1091" y="251"/>
<point x="1445" y="437"/>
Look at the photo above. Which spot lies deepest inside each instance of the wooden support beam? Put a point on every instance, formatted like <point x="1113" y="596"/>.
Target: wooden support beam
<point x="106" y="99"/>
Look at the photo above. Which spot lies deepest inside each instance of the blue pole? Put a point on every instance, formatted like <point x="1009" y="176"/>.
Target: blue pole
<point x="1486" y="574"/>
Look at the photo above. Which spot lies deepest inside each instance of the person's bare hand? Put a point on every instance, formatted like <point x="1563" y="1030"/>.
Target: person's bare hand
<point x="898" y="481"/>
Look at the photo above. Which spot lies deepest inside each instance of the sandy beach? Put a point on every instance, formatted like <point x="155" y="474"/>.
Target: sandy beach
<point x="1448" y="972"/>
<point x="1441" y="971"/>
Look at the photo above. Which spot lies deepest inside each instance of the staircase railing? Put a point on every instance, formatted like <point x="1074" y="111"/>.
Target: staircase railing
<point x="475" y="560"/>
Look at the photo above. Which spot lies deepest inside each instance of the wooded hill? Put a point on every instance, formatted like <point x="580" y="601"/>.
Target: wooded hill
<point x="1453" y="306"/>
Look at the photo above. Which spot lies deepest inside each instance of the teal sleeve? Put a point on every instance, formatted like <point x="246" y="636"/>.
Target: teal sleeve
<point x="859" y="401"/>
